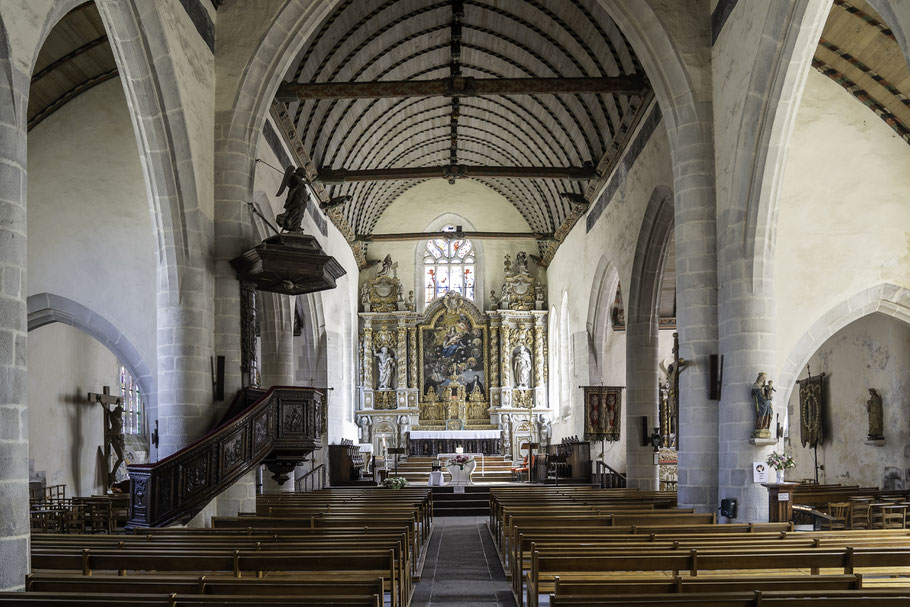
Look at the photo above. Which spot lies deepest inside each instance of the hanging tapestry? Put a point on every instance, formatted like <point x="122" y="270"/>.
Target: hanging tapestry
<point x="811" y="401"/>
<point x="603" y="412"/>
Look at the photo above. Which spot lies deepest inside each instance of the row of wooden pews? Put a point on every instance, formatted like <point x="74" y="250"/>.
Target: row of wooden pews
<point x="583" y="546"/>
<point x="329" y="547"/>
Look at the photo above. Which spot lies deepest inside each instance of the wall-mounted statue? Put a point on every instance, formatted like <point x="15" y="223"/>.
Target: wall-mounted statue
<point x="404" y="427"/>
<point x="386" y="367"/>
<point x="762" y="394"/>
<point x="295" y="180"/>
<point x="505" y="434"/>
<point x="545" y="428"/>
<point x="522" y="366"/>
<point x="365" y="424"/>
<point x="876" y="415"/>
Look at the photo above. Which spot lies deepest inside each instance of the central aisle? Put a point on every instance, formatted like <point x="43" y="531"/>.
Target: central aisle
<point x="462" y="567"/>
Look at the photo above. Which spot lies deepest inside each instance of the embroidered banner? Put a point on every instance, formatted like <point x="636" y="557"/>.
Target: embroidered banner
<point x="603" y="412"/>
<point x="811" y="410"/>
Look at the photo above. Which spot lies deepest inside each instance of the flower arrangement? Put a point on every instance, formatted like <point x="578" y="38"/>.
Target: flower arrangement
<point x="780" y="461"/>
<point x="395" y="482"/>
<point x="459" y="460"/>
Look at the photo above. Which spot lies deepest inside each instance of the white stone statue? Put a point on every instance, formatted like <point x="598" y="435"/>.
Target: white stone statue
<point x="505" y="435"/>
<point x="546" y="428"/>
<point x="522" y="367"/>
<point x="364" y="432"/>
<point x="386" y="367"/>
<point x="404" y="423"/>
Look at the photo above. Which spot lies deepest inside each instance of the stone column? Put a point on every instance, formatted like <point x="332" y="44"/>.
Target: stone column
<point x="14" y="528"/>
<point x="641" y="400"/>
<point x="277" y="340"/>
<point x="696" y="302"/>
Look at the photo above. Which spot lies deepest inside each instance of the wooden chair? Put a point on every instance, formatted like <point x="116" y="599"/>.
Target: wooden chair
<point x="894" y="517"/>
<point x="859" y="517"/>
<point x="840" y="514"/>
<point x="516" y="472"/>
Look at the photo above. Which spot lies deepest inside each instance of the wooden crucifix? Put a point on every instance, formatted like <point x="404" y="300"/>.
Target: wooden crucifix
<point x="673" y="384"/>
<point x="113" y="429"/>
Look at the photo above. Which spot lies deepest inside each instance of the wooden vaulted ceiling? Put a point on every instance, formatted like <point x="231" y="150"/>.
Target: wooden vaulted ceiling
<point x="370" y="40"/>
<point x="75" y="57"/>
<point x="858" y="51"/>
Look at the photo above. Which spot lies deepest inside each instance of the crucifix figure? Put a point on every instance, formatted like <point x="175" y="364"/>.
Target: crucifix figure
<point x="113" y="428"/>
<point x="673" y="385"/>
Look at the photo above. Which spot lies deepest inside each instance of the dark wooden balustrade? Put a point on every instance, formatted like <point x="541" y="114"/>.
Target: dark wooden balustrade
<point x="278" y="427"/>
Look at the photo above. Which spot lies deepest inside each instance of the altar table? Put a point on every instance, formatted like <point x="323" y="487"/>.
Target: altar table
<point x="434" y="442"/>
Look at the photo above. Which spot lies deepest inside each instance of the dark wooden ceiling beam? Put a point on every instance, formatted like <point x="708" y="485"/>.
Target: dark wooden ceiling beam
<point x="456" y="171"/>
<point x="460" y="86"/>
<point x="454" y="236"/>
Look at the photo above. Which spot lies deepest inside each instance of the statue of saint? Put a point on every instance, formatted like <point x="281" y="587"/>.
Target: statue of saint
<point x="295" y="180"/>
<point x="364" y="424"/>
<point x="522" y="366"/>
<point x="404" y="423"/>
<point x="505" y="435"/>
<point x="386" y="367"/>
<point x="876" y="415"/>
<point x="762" y="393"/>
<point x="546" y="428"/>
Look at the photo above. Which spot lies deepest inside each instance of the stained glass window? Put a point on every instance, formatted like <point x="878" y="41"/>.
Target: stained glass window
<point x="132" y="403"/>
<point x="448" y="265"/>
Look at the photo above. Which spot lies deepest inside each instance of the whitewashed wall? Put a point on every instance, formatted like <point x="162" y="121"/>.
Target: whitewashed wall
<point x="63" y="365"/>
<point x="614" y="237"/>
<point x="872" y="352"/>
<point x="844" y="222"/>
<point x="420" y="208"/>
<point x="90" y="229"/>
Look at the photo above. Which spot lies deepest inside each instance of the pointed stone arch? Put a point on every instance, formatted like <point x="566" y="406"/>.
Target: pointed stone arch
<point x="885" y="298"/>
<point x="599" y="322"/>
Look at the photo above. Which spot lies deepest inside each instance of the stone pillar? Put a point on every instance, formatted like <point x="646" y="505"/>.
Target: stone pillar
<point x="641" y="400"/>
<point x="696" y="302"/>
<point x="277" y="340"/>
<point x="234" y="167"/>
<point x="14" y="520"/>
<point x="747" y="342"/>
<point x="239" y="497"/>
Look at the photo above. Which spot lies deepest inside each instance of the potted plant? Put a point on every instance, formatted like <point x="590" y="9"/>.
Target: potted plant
<point x="780" y="462"/>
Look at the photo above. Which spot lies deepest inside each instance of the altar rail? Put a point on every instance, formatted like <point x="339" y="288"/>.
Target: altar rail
<point x="279" y="427"/>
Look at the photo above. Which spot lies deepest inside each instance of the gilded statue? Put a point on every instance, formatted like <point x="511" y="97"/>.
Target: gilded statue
<point x="876" y="415"/>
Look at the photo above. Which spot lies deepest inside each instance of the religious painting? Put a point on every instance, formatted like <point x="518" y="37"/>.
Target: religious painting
<point x="811" y="401"/>
<point x="603" y="412"/>
<point x="453" y="345"/>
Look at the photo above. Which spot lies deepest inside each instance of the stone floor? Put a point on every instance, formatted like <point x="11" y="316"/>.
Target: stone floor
<point x="462" y="567"/>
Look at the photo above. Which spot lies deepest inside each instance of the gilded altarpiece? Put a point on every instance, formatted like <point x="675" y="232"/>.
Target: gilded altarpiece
<point x="454" y="367"/>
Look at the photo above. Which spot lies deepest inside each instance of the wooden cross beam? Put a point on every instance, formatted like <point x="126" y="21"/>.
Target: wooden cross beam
<point x="460" y="86"/>
<point x="454" y="236"/>
<point x="456" y="171"/>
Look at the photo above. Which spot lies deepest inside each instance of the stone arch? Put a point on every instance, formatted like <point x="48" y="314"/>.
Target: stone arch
<point x="312" y="362"/>
<point x="897" y="18"/>
<point x="767" y="120"/>
<point x="450" y="218"/>
<point x="642" y="334"/>
<point x="885" y="298"/>
<point x="48" y="308"/>
<point x="599" y="323"/>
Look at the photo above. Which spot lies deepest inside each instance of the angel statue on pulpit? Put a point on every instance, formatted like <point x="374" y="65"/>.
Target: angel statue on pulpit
<point x="295" y="181"/>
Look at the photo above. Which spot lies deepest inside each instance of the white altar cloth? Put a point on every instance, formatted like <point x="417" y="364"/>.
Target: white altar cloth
<point x="435" y="479"/>
<point x="453" y="434"/>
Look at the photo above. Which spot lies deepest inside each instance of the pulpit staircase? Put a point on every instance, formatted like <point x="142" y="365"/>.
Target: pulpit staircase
<point x="277" y="427"/>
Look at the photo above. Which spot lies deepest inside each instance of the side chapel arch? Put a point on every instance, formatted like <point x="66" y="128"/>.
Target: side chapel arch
<point x="642" y="327"/>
